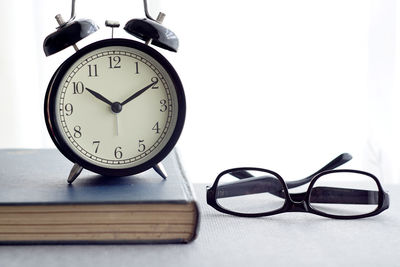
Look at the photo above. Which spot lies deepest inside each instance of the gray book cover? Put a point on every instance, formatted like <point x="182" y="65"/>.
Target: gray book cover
<point x="35" y="177"/>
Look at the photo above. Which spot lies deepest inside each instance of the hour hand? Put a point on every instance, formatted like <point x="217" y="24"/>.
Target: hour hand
<point x="99" y="96"/>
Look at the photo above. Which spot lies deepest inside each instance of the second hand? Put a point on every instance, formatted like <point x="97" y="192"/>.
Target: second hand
<point x="116" y="122"/>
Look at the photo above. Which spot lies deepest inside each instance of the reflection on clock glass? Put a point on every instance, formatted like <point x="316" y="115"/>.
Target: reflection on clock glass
<point x="116" y="107"/>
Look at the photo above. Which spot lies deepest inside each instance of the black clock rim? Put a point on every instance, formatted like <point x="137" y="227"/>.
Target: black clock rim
<point x="55" y="132"/>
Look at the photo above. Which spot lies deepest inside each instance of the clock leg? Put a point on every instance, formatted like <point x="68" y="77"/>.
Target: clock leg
<point x="159" y="168"/>
<point x="75" y="171"/>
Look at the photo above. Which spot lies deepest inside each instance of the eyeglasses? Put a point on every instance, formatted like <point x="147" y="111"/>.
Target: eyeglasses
<point x="339" y="194"/>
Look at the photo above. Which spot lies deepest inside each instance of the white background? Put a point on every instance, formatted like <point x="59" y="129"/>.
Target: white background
<point x="283" y="85"/>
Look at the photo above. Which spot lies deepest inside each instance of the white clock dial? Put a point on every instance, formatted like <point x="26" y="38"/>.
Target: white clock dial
<point x="116" y="107"/>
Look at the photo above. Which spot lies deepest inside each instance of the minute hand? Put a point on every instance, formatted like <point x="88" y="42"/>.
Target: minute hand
<point x="138" y="93"/>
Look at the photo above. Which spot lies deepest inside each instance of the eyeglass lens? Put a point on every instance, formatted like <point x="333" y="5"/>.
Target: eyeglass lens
<point x="259" y="192"/>
<point x="344" y="194"/>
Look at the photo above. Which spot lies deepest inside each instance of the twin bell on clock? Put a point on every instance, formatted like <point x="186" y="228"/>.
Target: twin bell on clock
<point x="117" y="106"/>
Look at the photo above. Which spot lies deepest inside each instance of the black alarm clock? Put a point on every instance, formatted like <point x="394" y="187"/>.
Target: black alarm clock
<point x="117" y="106"/>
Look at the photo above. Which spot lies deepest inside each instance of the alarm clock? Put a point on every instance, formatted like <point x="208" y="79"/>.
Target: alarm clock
<point x="117" y="106"/>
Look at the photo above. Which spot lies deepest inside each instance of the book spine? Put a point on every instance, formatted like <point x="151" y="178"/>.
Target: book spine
<point x="189" y="193"/>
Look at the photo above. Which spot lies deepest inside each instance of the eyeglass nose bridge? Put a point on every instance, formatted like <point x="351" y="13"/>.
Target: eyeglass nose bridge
<point x="295" y="206"/>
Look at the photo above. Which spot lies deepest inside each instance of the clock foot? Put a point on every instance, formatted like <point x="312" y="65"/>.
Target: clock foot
<point x="159" y="168"/>
<point x="75" y="171"/>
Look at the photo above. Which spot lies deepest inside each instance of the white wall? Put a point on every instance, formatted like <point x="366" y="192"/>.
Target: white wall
<point x="284" y="85"/>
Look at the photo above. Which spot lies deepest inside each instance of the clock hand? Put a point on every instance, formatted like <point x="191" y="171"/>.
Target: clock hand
<point x="138" y="93"/>
<point x="116" y="123"/>
<point x="99" y="96"/>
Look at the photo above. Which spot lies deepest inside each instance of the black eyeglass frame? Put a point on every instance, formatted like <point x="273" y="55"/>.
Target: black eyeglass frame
<point x="297" y="205"/>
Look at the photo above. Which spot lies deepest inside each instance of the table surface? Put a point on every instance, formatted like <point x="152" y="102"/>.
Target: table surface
<point x="289" y="239"/>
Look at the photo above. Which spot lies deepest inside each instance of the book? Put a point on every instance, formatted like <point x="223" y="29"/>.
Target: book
<point x="37" y="205"/>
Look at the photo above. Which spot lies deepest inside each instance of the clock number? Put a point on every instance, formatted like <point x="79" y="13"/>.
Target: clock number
<point x="116" y="60"/>
<point x="92" y="70"/>
<point x="142" y="147"/>
<point x="96" y="143"/>
<point x="78" y="87"/>
<point x="68" y="109"/>
<point x="137" y="67"/>
<point x="118" y="152"/>
<point x="156" y="128"/>
<point x="77" y="131"/>
<point x="163" y="105"/>
<point x="155" y="81"/>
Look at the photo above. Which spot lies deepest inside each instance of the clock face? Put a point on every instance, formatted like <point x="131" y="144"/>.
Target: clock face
<point x="116" y="105"/>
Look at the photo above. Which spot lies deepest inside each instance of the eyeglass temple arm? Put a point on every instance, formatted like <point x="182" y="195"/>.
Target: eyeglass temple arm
<point x="336" y="162"/>
<point x="322" y="194"/>
<point x="249" y="186"/>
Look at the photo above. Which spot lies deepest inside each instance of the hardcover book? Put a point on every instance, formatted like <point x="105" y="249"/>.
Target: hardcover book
<point x="37" y="205"/>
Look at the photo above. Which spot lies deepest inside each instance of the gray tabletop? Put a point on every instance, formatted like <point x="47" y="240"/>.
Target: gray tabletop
<point x="283" y="240"/>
